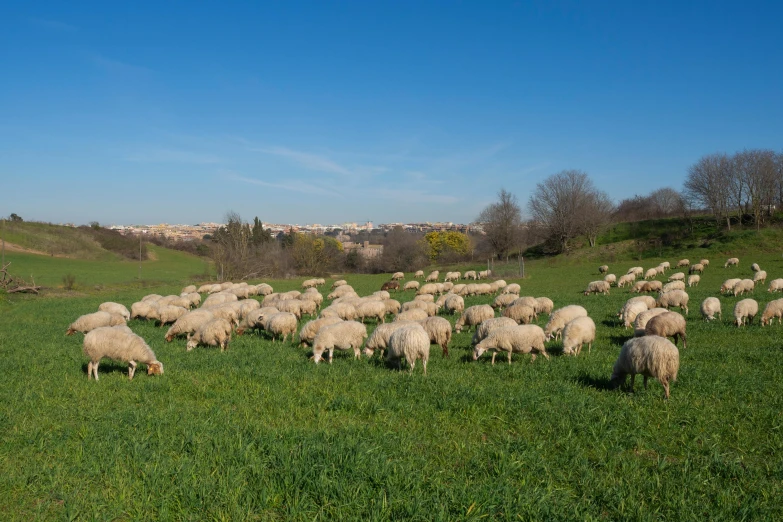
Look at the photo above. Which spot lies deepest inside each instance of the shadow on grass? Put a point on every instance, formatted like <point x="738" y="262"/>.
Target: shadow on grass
<point x="597" y="383"/>
<point x="106" y="367"/>
<point x="620" y="339"/>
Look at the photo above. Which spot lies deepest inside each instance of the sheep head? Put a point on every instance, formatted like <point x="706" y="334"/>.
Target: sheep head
<point x="155" y="368"/>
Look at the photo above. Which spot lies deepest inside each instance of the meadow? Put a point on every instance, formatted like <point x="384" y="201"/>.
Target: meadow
<point x="259" y="432"/>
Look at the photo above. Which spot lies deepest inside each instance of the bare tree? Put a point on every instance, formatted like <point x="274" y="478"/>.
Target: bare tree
<point x="710" y="184"/>
<point x="501" y="222"/>
<point x="596" y="214"/>
<point x="757" y="169"/>
<point x="666" y="201"/>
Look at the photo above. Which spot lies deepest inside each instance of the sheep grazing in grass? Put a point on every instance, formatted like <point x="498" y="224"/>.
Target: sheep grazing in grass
<point x="638" y="287"/>
<point x="503" y="300"/>
<point x="651" y="286"/>
<point x="483" y="330"/>
<point x="597" y="287"/>
<point x="650" y="356"/>
<point x="390" y="285"/>
<point x="694" y="280"/>
<point x="411" y="285"/>
<point x="683" y="262"/>
<point x="120" y="344"/>
<point x="344" y="311"/>
<point x="255" y="319"/>
<point x="728" y="285"/>
<point x="668" y="324"/>
<point x="313" y="296"/>
<point x="411" y="342"/>
<point x="452" y="276"/>
<point x="704" y="262"/>
<point x="698" y="267"/>
<point x="603" y="269"/>
<point x="744" y="286"/>
<point x="675" y="298"/>
<point x="345" y="335"/>
<point x="242" y="292"/>
<point x="544" y="305"/>
<point x="427" y="298"/>
<point x="430" y="308"/>
<point x="311" y="328"/>
<point x="188" y="323"/>
<point x="379" y="338"/>
<point x="760" y="277"/>
<point x="560" y="317"/>
<point x="392" y="306"/>
<point x="626" y="279"/>
<point x="151" y="297"/>
<point x="339" y="282"/>
<point x="755" y="267"/>
<point x="732" y="261"/>
<point x="264" y="289"/>
<point x="194" y="299"/>
<point x="513" y="288"/>
<point x="203" y="289"/>
<point x="419" y="274"/>
<point x="309" y="283"/>
<point x="637" y="271"/>
<point x="659" y="270"/>
<point x="471" y="274"/>
<point x="439" y="330"/>
<point x="576" y="334"/>
<point x="631" y="311"/>
<point x="396" y="276"/>
<point x="745" y="309"/>
<point x="484" y="274"/>
<point x="168" y="314"/>
<point x="472" y="316"/>
<point x="372" y="309"/>
<point x="643" y="318"/>
<point x="776" y="285"/>
<point x="429" y="288"/>
<point x="216" y="332"/>
<point x="611" y="279"/>
<point x="498" y="284"/>
<point x="677" y="276"/>
<point x="527" y="300"/>
<point x="521" y="314"/>
<point x="293" y="306"/>
<point x="413" y="315"/>
<point x="771" y="311"/>
<point x="433" y="276"/>
<point x="144" y="310"/>
<point x="281" y="324"/>
<point x="115" y="308"/>
<point x="454" y="304"/>
<point x="381" y="295"/>
<point x="341" y="291"/>
<point x="224" y="311"/>
<point x="89" y="322"/>
<point x="527" y="338"/>
<point x="651" y="273"/>
<point x="709" y="308"/>
<point x="218" y="299"/>
<point x="675" y="285"/>
<point x="665" y="265"/>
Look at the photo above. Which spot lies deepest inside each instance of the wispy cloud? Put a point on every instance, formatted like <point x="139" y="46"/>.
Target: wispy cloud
<point x="173" y="156"/>
<point x="307" y="160"/>
<point x="414" y="196"/>
<point x="302" y="187"/>
<point x="533" y="168"/>
<point x="118" y="67"/>
<point x="54" y="25"/>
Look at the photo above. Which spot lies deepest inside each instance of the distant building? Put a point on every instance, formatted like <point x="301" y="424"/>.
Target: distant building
<point x="365" y="249"/>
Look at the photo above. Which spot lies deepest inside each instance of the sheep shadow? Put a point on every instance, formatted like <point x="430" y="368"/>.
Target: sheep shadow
<point x="107" y="367"/>
<point x="598" y="383"/>
<point x="620" y="339"/>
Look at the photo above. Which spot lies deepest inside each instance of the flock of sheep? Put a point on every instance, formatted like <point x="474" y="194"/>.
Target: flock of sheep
<point x="228" y="308"/>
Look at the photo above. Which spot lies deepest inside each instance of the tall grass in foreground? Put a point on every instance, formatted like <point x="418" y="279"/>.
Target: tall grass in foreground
<point x="261" y="433"/>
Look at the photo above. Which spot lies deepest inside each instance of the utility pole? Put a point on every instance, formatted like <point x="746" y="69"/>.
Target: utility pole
<point x="139" y="255"/>
<point x="3" y="239"/>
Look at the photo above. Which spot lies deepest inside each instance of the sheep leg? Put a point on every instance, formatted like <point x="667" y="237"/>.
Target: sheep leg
<point x="424" y="362"/>
<point x="131" y="369"/>
<point x="645" y="382"/>
<point x="633" y="377"/>
<point x="412" y="363"/>
<point x="331" y="353"/>
<point x="589" y="347"/>
<point x="532" y="358"/>
<point x="509" y="358"/>
<point x="546" y="355"/>
<point x="493" y="358"/>
<point x="89" y="370"/>
<point x="665" y="384"/>
<point x="445" y="349"/>
<point x="95" y="369"/>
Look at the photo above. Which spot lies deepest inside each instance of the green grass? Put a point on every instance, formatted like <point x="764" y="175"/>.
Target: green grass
<point x="261" y="433"/>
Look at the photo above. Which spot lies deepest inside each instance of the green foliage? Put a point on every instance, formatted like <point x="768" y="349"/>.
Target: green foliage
<point x="69" y="281"/>
<point x="14" y="217"/>
<point x="446" y="243"/>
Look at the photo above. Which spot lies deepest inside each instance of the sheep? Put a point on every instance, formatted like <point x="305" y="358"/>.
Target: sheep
<point x="379" y="338"/>
<point x="281" y="324"/>
<point x="397" y="276"/>
<point x="709" y="307"/>
<point x="392" y="306"/>
<point x="626" y="279"/>
<point x="698" y="267"/>
<point x="194" y="299"/>
<point x="264" y="289"/>
<point x="638" y="287"/>
<point x="503" y="300"/>
<point x="215" y="288"/>
<point x="745" y="308"/>
<point x="651" y="273"/>
<point x="315" y="297"/>
<point x="677" y="276"/>
<point x="668" y="324"/>
<point x="643" y="318"/>
<point x="772" y="310"/>
<point x="452" y="276"/>
<point x="527" y="300"/>
<point x="293" y="306"/>
<point x="728" y="285"/>
<point x="611" y="279"/>
<point x="309" y="283"/>
<point x="411" y="285"/>
<point x="675" y="298"/>
<point x="694" y="280"/>
<point x="242" y="292"/>
<point x="597" y="287"/>
<point x="311" y="328"/>
<point x="430" y="308"/>
<point x="471" y="274"/>
<point x="174" y="300"/>
<point x="683" y="262"/>
<point x="648" y="286"/>
<point x="427" y="298"/>
<point x="89" y="322"/>
<point x="527" y="338"/>
<point x="224" y="311"/>
<point x="169" y="314"/>
<point x="651" y="356"/>
<point x="745" y="285"/>
<point x="344" y="311"/>
<point x="483" y="330"/>
<point x="341" y="291"/>
<point x="521" y="314"/>
<point x="255" y="319"/>
<point x="760" y="277"/>
<point x="675" y="285"/>
<point x="631" y="311"/>
<point x="226" y="285"/>
<point x="665" y="265"/>
<point x="732" y="261"/>
<point x="456" y="289"/>
<point x="454" y="304"/>
<point x="576" y="333"/>
<point x="373" y="309"/>
<point x="215" y="332"/>
<point x="513" y="288"/>
<point x="429" y="288"/>
<point x="704" y="262"/>
<point x="659" y="270"/>
<point x="151" y="297"/>
<point x="637" y="271"/>
<point x="121" y="345"/>
<point x="188" y="323"/>
<point x="115" y="308"/>
<point x="381" y="295"/>
<point x="775" y="285"/>
<point x="418" y="274"/>
<point x="560" y="317"/>
<point x="603" y="269"/>
<point x="345" y="335"/>
<point x="339" y="282"/>
<point x="390" y="285"/>
<point x="646" y="299"/>
<point x="417" y="314"/>
<point x="320" y="281"/>
<point x="439" y="330"/>
<point x="433" y="276"/>
<point x="203" y="289"/>
<point x="498" y="284"/>
<point x="755" y="267"/>
<point x="484" y="274"/>
<point x="544" y="305"/>
<point x="144" y="310"/>
<point x="472" y="316"/>
<point x="218" y="299"/>
<point x="411" y="342"/>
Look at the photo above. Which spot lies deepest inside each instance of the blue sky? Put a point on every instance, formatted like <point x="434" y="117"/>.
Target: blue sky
<point x="302" y="112"/>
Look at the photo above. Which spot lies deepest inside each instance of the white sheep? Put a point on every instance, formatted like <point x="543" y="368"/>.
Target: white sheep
<point x="677" y="276"/>
<point x="188" y="323"/>
<point x="503" y="300"/>
<point x="144" y="310"/>
<point x="411" y="285"/>
<point x="521" y="314"/>
<point x="379" y="338"/>
<point x="675" y="298"/>
<point x="665" y="265"/>
<point x="472" y="316"/>
<point x="429" y="288"/>
<point x="631" y="311"/>
<point x="651" y="356"/>
<point x="344" y="311"/>
<point x="771" y="311"/>
<point x="313" y="296"/>
<point x="381" y="295"/>
<point x="419" y="274"/>
<point x="728" y="285"/>
<point x="281" y="324"/>
<point x="454" y="304"/>
<point x="643" y="318"/>
<point x="576" y="333"/>
<point x="527" y="338"/>
<point x="626" y="279"/>
<point x="345" y="335"/>
<point x="224" y="311"/>
<point x="560" y="317"/>
<point x="339" y="282"/>
<point x="411" y="342"/>
<point x="203" y="289"/>
<point x="637" y="271"/>
<point x="396" y="276"/>
<point x="168" y="314"/>
<point x="668" y="324"/>
<point x="430" y="308"/>
<point x="427" y="298"/>
<point x="433" y="276"/>
<point x="603" y="269"/>
<point x="675" y="285"/>
<point x="120" y="344"/>
<point x="309" y="283"/>
<point x="484" y="274"/>
<point x="115" y="308"/>
<point x="264" y="289"/>
<point x="650" y="273"/>
<point x="471" y="274"/>
<point x="483" y="330"/>
<point x="693" y="280"/>
<point x="652" y="286"/>
<point x="416" y="314"/>
<point x="218" y="299"/>
<point x="611" y="279"/>
<point x="755" y="267"/>
<point x="544" y="305"/>
<point x="151" y="297"/>
<point x="704" y="262"/>
<point x="439" y="330"/>
<point x="311" y="328"/>
<point x="745" y="309"/>
<point x="89" y="322"/>
<point x="255" y="319"/>
<point x="452" y="276"/>
<point x="456" y="289"/>
<point x="597" y="287"/>
<point x="745" y="285"/>
<point x="709" y="307"/>
<point x="194" y="298"/>
<point x="776" y="285"/>
<point x="513" y="288"/>
<point x="698" y="267"/>
<point x="392" y="306"/>
<point x="760" y="277"/>
<point x="683" y="262"/>
<point x="373" y="309"/>
<point x="216" y="332"/>
<point x="527" y="300"/>
<point x="732" y="261"/>
<point x="341" y="291"/>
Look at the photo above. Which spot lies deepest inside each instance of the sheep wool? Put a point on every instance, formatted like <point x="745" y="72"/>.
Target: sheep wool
<point x="513" y="288"/>
<point x="255" y="319"/>
<point x="373" y="309"/>
<point x="397" y="276"/>
<point x="418" y="274"/>
<point x="650" y="273"/>
<point x="503" y="300"/>
<point x="771" y="311"/>
<point x="668" y="324"/>
<point x="473" y="316"/>
<point x="675" y="285"/>
<point x="732" y="261"/>
<point x="560" y="317"/>
<point x="345" y="335"/>
<point x="411" y="342"/>
<point x="379" y="338"/>
<point x="611" y="279"/>
<point x="439" y="330"/>
<point x="311" y="328"/>
<point x="709" y="307"/>
<point x="89" y="322"/>
<point x="416" y="314"/>
<point x="760" y="277"/>
<point x="188" y="323"/>
<point x="454" y="304"/>
<point x="677" y="276"/>
<point x="344" y="311"/>
<point x="745" y="309"/>
<point x="483" y="330"/>
<point x="650" y="356"/>
<point x="521" y="314"/>
<point x="411" y="285"/>
<point x="603" y="269"/>
<point x="121" y="345"/>
<point x="694" y="280"/>
<point x="743" y="286"/>
<point x="643" y="318"/>
<point x="115" y="308"/>
<point x="728" y="285"/>
<point x="576" y="334"/>
<point x="675" y="298"/>
<point x="544" y="305"/>
<point x="281" y="324"/>
<point x="597" y="287"/>
<point x="527" y="338"/>
<point x="776" y="285"/>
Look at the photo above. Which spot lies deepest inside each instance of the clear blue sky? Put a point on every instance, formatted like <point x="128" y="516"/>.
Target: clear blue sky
<point x="301" y="112"/>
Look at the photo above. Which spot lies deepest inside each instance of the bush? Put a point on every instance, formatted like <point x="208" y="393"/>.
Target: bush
<point x="69" y="281"/>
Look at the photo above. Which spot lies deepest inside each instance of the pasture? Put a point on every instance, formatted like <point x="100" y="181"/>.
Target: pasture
<point x="261" y="433"/>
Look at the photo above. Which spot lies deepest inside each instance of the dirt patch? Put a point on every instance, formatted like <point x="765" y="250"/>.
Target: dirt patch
<point x="10" y="247"/>
<point x="151" y="256"/>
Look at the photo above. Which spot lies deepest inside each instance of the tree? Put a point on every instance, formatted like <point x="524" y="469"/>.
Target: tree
<point x="596" y="214"/>
<point x="259" y="235"/>
<point x="709" y="184"/>
<point x="402" y="252"/>
<point x="665" y="202"/>
<point x="15" y="218"/>
<point x="447" y="244"/>
<point x="757" y="169"/>
<point x="501" y="222"/>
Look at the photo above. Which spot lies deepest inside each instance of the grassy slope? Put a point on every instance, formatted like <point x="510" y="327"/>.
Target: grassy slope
<point x="55" y="240"/>
<point x="259" y="432"/>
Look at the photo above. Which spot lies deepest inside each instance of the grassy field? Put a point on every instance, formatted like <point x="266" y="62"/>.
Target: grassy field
<point x="261" y="433"/>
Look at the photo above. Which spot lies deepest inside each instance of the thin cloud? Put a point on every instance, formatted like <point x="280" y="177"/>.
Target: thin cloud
<point x="173" y="156"/>
<point x="415" y="196"/>
<point x="307" y="160"/>
<point x="118" y="67"/>
<point x="54" y="24"/>
<point x="533" y="168"/>
<point x="304" y="188"/>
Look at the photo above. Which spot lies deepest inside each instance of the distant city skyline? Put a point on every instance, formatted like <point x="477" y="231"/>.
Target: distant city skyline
<point x="310" y="111"/>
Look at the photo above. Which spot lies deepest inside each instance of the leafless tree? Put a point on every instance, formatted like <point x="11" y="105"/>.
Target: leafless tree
<point x="501" y="222"/>
<point x="710" y="184"/>
<point x="666" y="201"/>
<point x="757" y="169"/>
<point x="596" y="214"/>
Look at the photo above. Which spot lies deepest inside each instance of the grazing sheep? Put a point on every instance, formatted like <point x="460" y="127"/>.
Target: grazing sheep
<point x="675" y="285"/>
<point x="396" y="276"/>
<point x="745" y="285"/>
<point x="483" y="330"/>
<point x="94" y="320"/>
<point x="264" y="289"/>
<point x="345" y="335"/>
<point x="659" y="270"/>
<point x="411" y="342"/>
<point x="452" y="276"/>
<point x="379" y="338"/>
<point x="637" y="271"/>
<point x="647" y="286"/>
<point x="411" y="285"/>
<point x="372" y="309"/>
<point x="339" y="282"/>
<point x="650" y="273"/>
<point x="698" y="267"/>
<point x="242" y="292"/>
<point x="760" y="277"/>
<point x="309" y="283"/>
<point x="683" y="262"/>
<point x="120" y="344"/>
<point x="392" y="306"/>
<point x="215" y="288"/>
<point x="429" y="288"/>
<point x="484" y="274"/>
<point x="694" y="280"/>
<point x="417" y="314"/>
<point x="281" y="324"/>
<point x="597" y="287"/>
<point x="434" y="275"/>
<point x="471" y="274"/>
<point x="503" y="300"/>
<point x="755" y="267"/>
<point x="311" y="328"/>
<point x="527" y="338"/>
<point x="665" y="265"/>
<point x="341" y="291"/>
<point x="747" y="308"/>
<point x="544" y="305"/>
<point x="560" y="317"/>
<point x="472" y="316"/>
<point x="381" y="295"/>
<point x="626" y="279"/>
<point x="439" y="330"/>
<point x="224" y="311"/>
<point x="771" y="311"/>
<point x="527" y="300"/>
<point x="611" y="279"/>
<point x="390" y="285"/>
<point x="427" y="298"/>
<point x="216" y="332"/>
<point x="675" y="298"/>
<point x="344" y="311"/>
<point x="188" y="323"/>
<point x="776" y="285"/>
<point x="638" y="287"/>
<point x="521" y="314"/>
<point x="677" y="276"/>
<point x="651" y="356"/>
<point x="151" y="297"/>
<point x="114" y="308"/>
<point x="513" y="288"/>
<point x="603" y="269"/>
<point x="314" y="296"/>
<point x="218" y="299"/>
<point x="169" y="314"/>
<point x="576" y="333"/>
<point x="728" y="285"/>
<point x="710" y="307"/>
<point x="430" y="308"/>
<point x="668" y="324"/>
<point x="454" y="304"/>
<point x="293" y="306"/>
<point x="255" y="319"/>
<point x="203" y="289"/>
<point x="631" y="311"/>
<point x="194" y="299"/>
<point x="732" y="261"/>
<point x="643" y="318"/>
<point x="704" y="262"/>
<point x="419" y="274"/>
